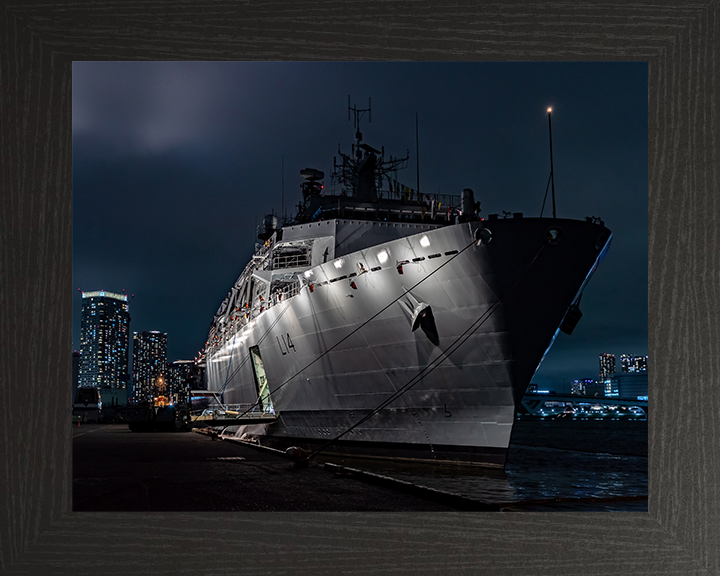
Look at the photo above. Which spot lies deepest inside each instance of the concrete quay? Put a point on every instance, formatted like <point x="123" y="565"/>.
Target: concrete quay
<point x="115" y="469"/>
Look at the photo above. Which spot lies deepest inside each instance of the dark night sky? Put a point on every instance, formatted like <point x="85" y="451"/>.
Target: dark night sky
<point x="174" y="162"/>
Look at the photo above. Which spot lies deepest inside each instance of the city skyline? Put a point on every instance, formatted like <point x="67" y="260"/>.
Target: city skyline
<point x="639" y="368"/>
<point x="188" y="157"/>
<point x="635" y="357"/>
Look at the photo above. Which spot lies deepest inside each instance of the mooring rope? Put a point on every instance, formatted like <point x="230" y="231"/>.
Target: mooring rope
<point x="247" y="356"/>
<point x="459" y="341"/>
<point x="257" y="402"/>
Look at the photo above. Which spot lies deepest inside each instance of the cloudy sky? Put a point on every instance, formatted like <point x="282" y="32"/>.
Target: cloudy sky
<point x="175" y="162"/>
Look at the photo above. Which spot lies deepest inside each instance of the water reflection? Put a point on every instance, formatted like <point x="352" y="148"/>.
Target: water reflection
<point x="569" y="466"/>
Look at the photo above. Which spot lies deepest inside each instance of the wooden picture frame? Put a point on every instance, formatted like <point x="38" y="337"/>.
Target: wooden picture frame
<point x="38" y="532"/>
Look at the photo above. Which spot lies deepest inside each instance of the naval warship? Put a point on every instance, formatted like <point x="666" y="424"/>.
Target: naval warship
<point x="381" y="322"/>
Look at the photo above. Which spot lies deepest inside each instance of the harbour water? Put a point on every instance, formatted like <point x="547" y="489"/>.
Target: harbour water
<point x="553" y="464"/>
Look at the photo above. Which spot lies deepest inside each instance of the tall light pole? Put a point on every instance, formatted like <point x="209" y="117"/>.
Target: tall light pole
<point x="417" y="154"/>
<point x="552" y="172"/>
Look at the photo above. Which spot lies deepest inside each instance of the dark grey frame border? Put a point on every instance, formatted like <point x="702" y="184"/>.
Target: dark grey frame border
<point x="39" y="534"/>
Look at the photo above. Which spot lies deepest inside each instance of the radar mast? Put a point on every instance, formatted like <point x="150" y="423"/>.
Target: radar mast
<point x="362" y="171"/>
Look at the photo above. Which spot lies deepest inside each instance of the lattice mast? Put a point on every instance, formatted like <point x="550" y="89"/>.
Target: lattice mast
<point x="362" y="172"/>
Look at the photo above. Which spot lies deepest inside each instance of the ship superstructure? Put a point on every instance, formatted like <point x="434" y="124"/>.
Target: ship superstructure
<point x="402" y="324"/>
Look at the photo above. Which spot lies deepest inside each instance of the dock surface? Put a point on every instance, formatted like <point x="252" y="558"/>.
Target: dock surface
<point x="115" y="469"/>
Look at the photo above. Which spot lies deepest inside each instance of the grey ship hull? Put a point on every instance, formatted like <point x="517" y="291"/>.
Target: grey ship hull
<point x="337" y="351"/>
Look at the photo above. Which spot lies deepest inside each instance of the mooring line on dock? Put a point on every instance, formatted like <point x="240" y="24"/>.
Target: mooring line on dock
<point x="456" y="501"/>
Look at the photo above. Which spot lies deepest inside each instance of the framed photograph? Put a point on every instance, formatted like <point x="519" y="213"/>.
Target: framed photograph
<point x="677" y="533"/>
<point x="451" y="307"/>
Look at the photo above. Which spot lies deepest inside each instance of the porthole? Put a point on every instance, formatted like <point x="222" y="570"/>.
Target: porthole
<point x="483" y="236"/>
<point x="553" y="236"/>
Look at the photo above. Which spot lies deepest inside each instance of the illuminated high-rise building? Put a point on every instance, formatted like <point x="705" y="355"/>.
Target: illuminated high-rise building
<point x="607" y="365"/>
<point x="581" y="386"/>
<point x="181" y="374"/>
<point x="104" y="340"/>
<point x="625" y="362"/>
<point x="633" y="384"/>
<point x="149" y="363"/>
<point x="607" y="373"/>
<point x="632" y="363"/>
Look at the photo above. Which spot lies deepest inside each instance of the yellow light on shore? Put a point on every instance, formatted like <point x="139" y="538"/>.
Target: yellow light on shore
<point x="549" y="110"/>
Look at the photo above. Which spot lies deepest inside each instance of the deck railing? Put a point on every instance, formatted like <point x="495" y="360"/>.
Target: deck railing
<point x="292" y="261"/>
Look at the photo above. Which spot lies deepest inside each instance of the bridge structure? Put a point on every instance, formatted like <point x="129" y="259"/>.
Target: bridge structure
<point x="550" y="404"/>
